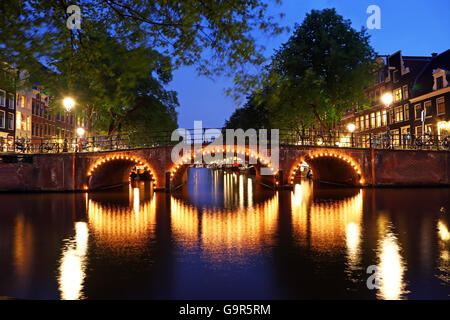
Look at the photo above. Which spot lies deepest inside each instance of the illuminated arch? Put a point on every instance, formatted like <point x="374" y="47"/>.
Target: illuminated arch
<point x="187" y="159"/>
<point x="121" y="157"/>
<point x="345" y="159"/>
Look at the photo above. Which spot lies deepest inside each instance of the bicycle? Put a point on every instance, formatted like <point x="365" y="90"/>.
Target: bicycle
<point x="21" y="145"/>
<point x="446" y="142"/>
<point x="45" y="147"/>
<point x="425" y="140"/>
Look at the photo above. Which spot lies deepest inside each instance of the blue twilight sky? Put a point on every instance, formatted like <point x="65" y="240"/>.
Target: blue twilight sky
<point x="417" y="27"/>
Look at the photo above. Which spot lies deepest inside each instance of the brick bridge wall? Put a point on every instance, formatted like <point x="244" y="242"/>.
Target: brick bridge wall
<point x="67" y="172"/>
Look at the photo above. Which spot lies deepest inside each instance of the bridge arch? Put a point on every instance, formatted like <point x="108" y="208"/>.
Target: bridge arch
<point x="254" y="158"/>
<point x="113" y="170"/>
<point x="331" y="167"/>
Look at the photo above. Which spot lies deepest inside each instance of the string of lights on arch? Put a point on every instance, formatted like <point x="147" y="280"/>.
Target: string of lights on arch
<point x="187" y="159"/>
<point x="137" y="161"/>
<point x="337" y="156"/>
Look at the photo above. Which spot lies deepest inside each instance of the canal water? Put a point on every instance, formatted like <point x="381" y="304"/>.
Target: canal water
<point x="223" y="236"/>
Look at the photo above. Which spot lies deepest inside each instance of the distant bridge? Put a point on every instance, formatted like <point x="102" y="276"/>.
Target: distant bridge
<point x="342" y="159"/>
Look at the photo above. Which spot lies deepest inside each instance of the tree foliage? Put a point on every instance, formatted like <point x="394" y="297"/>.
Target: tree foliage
<point x="252" y="115"/>
<point x="319" y="73"/>
<point x="215" y="36"/>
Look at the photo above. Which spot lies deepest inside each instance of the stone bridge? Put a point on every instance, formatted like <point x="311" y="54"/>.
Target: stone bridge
<point x="342" y="166"/>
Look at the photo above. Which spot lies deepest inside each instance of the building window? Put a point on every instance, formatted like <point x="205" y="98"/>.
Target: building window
<point x="406" y="109"/>
<point x="439" y="83"/>
<point x="372" y="120"/>
<point x="427" y="108"/>
<point x="429" y="128"/>
<point x="405" y="92"/>
<point x="10" y="121"/>
<point x="384" y="118"/>
<point x="378" y="119"/>
<point x="11" y="101"/>
<point x="2" y="119"/>
<point x="361" y="120"/>
<point x="399" y="114"/>
<point x="367" y="125"/>
<point x="418" y="131"/>
<point x="395" y="137"/>
<point x="417" y="111"/>
<point x="2" y="98"/>
<point x="440" y="105"/>
<point x="396" y="76"/>
<point x="405" y="130"/>
<point x="391" y="116"/>
<point x="397" y="94"/>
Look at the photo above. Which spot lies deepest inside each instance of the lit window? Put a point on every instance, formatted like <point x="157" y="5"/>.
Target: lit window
<point x="362" y="123"/>
<point x="429" y="128"/>
<point x="384" y="119"/>
<point x="418" y="130"/>
<point x="399" y="114"/>
<point x="395" y="137"/>
<point x="367" y="122"/>
<point x="406" y="109"/>
<point x="372" y="120"/>
<point x="440" y="105"/>
<point x="378" y="119"/>
<point x="398" y="94"/>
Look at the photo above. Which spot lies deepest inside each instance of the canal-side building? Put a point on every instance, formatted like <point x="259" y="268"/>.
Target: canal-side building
<point x="7" y="109"/>
<point x="416" y="83"/>
<point x="431" y="94"/>
<point x="24" y="97"/>
<point x="47" y="124"/>
<point x="23" y="114"/>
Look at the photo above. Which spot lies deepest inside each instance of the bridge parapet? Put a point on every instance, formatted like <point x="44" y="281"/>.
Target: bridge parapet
<point x="345" y="166"/>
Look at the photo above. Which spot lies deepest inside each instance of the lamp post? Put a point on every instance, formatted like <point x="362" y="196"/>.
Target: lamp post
<point x="80" y="134"/>
<point x="351" y="128"/>
<point x="68" y="103"/>
<point x="387" y="100"/>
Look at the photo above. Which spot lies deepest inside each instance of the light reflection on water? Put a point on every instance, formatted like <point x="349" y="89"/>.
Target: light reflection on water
<point x="224" y="236"/>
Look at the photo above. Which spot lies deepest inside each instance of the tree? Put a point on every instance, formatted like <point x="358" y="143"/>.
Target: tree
<point x="252" y="115"/>
<point x="215" y="36"/>
<point x="123" y="82"/>
<point x="320" y="73"/>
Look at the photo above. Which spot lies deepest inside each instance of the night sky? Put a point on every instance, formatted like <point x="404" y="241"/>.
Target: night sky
<point x="416" y="27"/>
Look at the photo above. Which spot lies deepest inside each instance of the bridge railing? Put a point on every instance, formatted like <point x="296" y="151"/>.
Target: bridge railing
<point x="386" y="140"/>
<point x="335" y="139"/>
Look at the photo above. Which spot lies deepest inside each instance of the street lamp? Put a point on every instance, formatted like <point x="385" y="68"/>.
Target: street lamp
<point x="81" y="132"/>
<point x="387" y="99"/>
<point x="351" y="128"/>
<point x="68" y="104"/>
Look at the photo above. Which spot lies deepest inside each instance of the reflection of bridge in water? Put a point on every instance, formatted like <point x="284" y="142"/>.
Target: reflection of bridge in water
<point x="301" y="234"/>
<point x="324" y="226"/>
